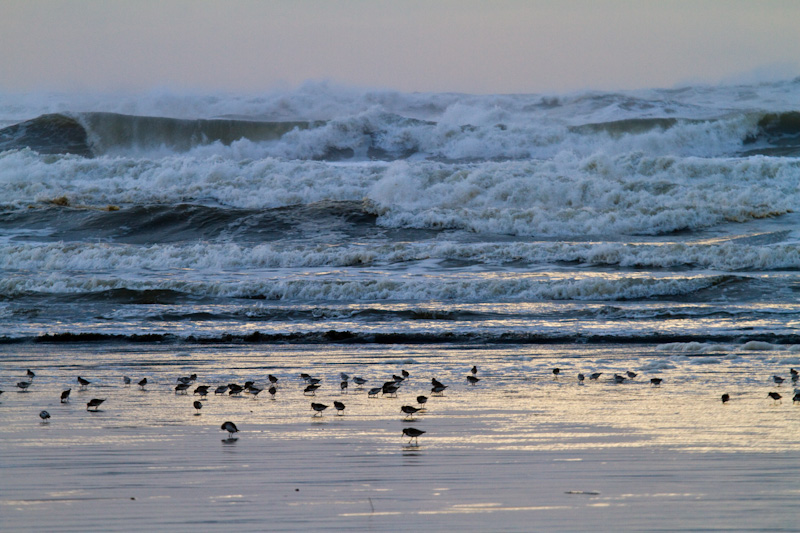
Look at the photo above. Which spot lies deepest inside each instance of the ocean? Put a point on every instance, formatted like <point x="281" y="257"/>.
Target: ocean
<point x="343" y="232"/>
<point x="324" y="214"/>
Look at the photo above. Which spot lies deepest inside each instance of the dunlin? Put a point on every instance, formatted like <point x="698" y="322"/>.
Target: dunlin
<point x="318" y="408"/>
<point x="231" y="428"/>
<point x="94" y="402"/>
<point x="414" y="433"/>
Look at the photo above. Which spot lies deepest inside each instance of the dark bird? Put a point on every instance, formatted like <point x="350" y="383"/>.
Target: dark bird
<point x="405" y="373"/>
<point x="231" y="428"/>
<point x="472" y="379"/>
<point x="373" y="392"/>
<point x="65" y="396"/>
<point x="272" y="390"/>
<point x="397" y="379"/>
<point x="339" y="407"/>
<point x="631" y="374"/>
<point x="359" y="381"/>
<point x="182" y="388"/>
<point x="314" y="381"/>
<point x="31" y="375"/>
<point x="581" y="377"/>
<point x="318" y="407"/>
<point x="222" y="389"/>
<point x="409" y="411"/>
<point x="414" y="433"/>
<point x="344" y="376"/>
<point x="198" y="405"/>
<point x="595" y="375"/>
<point x="422" y="400"/>
<point x="796" y="398"/>
<point x="726" y="398"/>
<point x="343" y="387"/>
<point x="775" y="396"/>
<point x="435" y="382"/>
<point x="272" y="379"/>
<point x="234" y="389"/>
<point x="202" y="390"/>
<point x="474" y="370"/>
<point x="142" y="383"/>
<point x="305" y="376"/>
<point x="94" y="402"/>
<point x="248" y="384"/>
<point x="777" y="379"/>
<point x="254" y="391"/>
<point x="24" y="385"/>
<point x="438" y="390"/>
<point x="310" y="390"/>
<point x="556" y="372"/>
<point x="126" y="380"/>
<point x="45" y="416"/>
<point x="655" y="381"/>
<point x="390" y="388"/>
<point x="83" y="383"/>
<point x="618" y="378"/>
<point x="795" y="374"/>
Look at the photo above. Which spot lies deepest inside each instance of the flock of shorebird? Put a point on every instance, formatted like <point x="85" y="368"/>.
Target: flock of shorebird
<point x="388" y="389"/>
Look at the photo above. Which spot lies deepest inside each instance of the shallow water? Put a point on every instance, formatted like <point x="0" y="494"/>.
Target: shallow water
<point x="519" y="451"/>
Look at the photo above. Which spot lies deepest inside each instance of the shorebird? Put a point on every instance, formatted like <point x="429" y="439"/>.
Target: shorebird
<point x="409" y="411"/>
<point x="618" y="378"/>
<point x="318" y="407"/>
<point x="655" y="381"/>
<point x="438" y="390"/>
<point x="474" y="370"/>
<point x="314" y="381"/>
<point x="222" y="389"/>
<point x="344" y="376"/>
<point x="181" y="388"/>
<point x="272" y="379"/>
<point x="397" y="379"/>
<point x="94" y="402"/>
<point x="142" y="383"/>
<point x="775" y="396"/>
<point x="795" y="374"/>
<point x="726" y="398"/>
<point x="595" y="375"/>
<point x="234" y="389"/>
<point x="45" y="416"/>
<point x="422" y="400"/>
<point x="359" y="381"/>
<point x="414" y="433"/>
<point x="796" y="397"/>
<point x="65" y="396"/>
<point x="197" y="405"/>
<point x="373" y="392"/>
<point x="472" y="379"/>
<point x="631" y="374"/>
<point x="581" y="377"/>
<point x="310" y="390"/>
<point x="202" y="390"/>
<point x="31" y="375"/>
<point x="390" y="388"/>
<point x="343" y="387"/>
<point x="272" y="390"/>
<point x="24" y="385"/>
<point x="305" y="376"/>
<point x="231" y="428"/>
<point x="339" y="407"/>
<point x="254" y="391"/>
<point x="126" y="380"/>
<point x="187" y="379"/>
<point x="777" y="380"/>
<point x="83" y="383"/>
<point x="556" y="372"/>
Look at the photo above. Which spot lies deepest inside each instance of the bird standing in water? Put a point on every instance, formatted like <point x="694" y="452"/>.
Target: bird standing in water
<point x="231" y="428"/>
<point x="414" y="433"/>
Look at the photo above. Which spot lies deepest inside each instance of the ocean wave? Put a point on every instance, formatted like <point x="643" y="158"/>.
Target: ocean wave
<point x="631" y="194"/>
<point x="377" y="134"/>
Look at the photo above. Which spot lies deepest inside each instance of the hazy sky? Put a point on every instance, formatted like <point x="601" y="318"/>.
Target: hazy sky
<point x="460" y="45"/>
